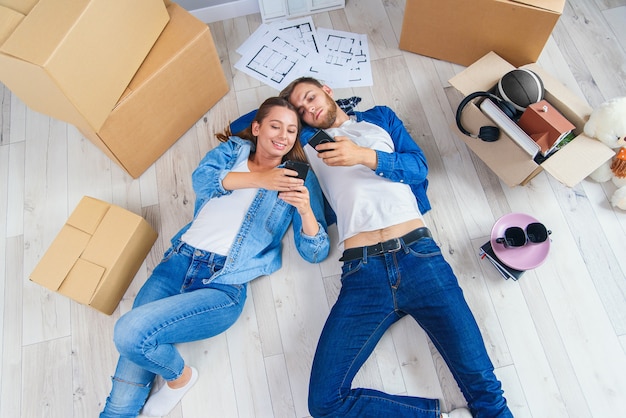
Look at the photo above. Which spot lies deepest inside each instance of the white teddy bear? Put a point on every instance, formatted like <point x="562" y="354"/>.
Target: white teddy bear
<point x="607" y="123"/>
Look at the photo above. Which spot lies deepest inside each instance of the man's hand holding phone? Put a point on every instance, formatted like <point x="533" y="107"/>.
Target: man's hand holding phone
<point x="344" y="151"/>
<point x="320" y="138"/>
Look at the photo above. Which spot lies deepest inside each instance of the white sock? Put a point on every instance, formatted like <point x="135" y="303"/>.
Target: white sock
<point x="166" y="398"/>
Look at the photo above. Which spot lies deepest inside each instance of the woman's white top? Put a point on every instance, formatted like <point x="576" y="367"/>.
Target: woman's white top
<point x="219" y="220"/>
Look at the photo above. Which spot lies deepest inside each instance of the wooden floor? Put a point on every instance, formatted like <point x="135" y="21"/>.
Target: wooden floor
<point x="557" y="336"/>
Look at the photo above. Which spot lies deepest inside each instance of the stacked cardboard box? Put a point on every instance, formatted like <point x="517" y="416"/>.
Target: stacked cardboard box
<point x="462" y="31"/>
<point x="179" y="81"/>
<point x="511" y="163"/>
<point x="72" y="59"/>
<point x="96" y="254"/>
<point x="132" y="76"/>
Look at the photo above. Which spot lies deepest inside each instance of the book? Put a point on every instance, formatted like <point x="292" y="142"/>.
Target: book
<point x="486" y="251"/>
<point x="546" y="126"/>
<point x="510" y="128"/>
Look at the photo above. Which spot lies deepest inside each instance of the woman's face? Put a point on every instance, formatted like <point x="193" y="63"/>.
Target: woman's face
<point x="277" y="132"/>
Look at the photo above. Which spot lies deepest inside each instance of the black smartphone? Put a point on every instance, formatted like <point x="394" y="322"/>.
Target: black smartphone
<point x="320" y="137"/>
<point x="301" y="167"/>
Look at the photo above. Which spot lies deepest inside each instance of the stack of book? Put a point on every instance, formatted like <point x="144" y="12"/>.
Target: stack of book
<point x="512" y="129"/>
<point x="486" y="251"/>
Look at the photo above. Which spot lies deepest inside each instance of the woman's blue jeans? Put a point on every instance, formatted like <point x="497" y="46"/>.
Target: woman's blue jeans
<point x="376" y="292"/>
<point x="173" y="306"/>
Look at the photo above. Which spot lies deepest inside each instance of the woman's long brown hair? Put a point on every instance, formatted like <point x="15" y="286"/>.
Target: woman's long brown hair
<point x="296" y="153"/>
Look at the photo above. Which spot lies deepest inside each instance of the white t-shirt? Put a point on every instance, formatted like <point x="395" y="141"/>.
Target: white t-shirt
<point x="362" y="200"/>
<point x="219" y="220"/>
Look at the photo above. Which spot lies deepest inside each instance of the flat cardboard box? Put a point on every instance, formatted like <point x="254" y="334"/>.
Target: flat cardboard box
<point x="570" y="165"/>
<point x="72" y="59"/>
<point x="462" y="31"/>
<point x="180" y="80"/>
<point x="96" y="254"/>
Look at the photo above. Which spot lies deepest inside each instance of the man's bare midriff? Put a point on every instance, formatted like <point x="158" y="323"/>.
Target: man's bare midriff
<point x="380" y="235"/>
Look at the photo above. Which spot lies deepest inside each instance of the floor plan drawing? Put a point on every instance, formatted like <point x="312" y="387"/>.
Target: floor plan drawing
<point x="282" y="51"/>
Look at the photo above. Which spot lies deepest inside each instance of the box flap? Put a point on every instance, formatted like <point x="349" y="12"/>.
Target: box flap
<point x="59" y="259"/>
<point x="120" y="275"/>
<point x="482" y="75"/>
<point x="82" y="281"/>
<point x="9" y="20"/>
<point x="117" y="226"/>
<point x="556" y="6"/>
<point x="88" y="214"/>
<point x="43" y="29"/>
<point x="577" y="160"/>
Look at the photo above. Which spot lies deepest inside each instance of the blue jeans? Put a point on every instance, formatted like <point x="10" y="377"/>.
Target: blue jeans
<point x="173" y="306"/>
<point x="375" y="293"/>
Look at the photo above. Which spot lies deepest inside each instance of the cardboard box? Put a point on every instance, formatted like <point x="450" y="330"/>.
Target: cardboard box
<point x="180" y="80"/>
<point x="96" y="254"/>
<point x="504" y="157"/>
<point x="72" y="59"/>
<point x="462" y="31"/>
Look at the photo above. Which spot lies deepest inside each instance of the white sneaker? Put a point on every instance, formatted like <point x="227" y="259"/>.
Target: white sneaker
<point x="162" y="402"/>
<point x="457" y="413"/>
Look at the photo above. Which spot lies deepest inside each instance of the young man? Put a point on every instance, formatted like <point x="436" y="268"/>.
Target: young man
<point x="374" y="177"/>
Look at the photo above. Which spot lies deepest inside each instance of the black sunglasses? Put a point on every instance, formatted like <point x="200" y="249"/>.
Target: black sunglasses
<point x="515" y="237"/>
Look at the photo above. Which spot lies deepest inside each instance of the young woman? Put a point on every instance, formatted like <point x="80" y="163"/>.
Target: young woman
<point x="245" y="202"/>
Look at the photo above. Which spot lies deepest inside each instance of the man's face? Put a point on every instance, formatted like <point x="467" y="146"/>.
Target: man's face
<point x="315" y="105"/>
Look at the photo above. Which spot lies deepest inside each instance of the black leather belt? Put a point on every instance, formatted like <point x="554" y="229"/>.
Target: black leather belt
<point x="386" y="247"/>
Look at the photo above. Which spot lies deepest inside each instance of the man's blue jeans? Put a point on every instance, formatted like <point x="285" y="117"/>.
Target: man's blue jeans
<point x="378" y="291"/>
<point x="173" y="306"/>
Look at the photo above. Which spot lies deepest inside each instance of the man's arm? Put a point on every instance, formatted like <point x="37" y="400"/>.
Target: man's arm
<point x="407" y="164"/>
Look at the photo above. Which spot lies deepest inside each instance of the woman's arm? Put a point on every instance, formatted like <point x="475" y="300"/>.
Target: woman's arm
<point x="313" y="247"/>
<point x="274" y="179"/>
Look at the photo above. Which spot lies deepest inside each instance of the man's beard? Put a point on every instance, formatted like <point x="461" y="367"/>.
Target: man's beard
<point x="331" y="114"/>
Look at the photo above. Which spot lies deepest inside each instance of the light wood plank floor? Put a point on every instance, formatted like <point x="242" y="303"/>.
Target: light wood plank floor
<point x="557" y="336"/>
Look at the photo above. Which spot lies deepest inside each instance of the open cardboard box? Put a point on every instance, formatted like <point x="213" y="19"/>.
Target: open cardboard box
<point x="514" y="166"/>
<point x="462" y="31"/>
<point x="96" y="254"/>
<point x="179" y="81"/>
<point x="72" y="59"/>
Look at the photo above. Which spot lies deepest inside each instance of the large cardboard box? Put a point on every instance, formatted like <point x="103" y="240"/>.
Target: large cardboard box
<point x="510" y="162"/>
<point x="180" y="80"/>
<point x="72" y="59"/>
<point x="96" y="254"/>
<point x="462" y="31"/>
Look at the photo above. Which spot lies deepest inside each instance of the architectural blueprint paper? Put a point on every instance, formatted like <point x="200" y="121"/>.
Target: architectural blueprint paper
<point x="280" y="52"/>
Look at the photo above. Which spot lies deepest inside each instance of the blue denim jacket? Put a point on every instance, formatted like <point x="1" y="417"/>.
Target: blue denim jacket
<point x="256" y="250"/>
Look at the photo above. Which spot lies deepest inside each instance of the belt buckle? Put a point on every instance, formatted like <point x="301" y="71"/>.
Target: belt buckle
<point x="392" y="245"/>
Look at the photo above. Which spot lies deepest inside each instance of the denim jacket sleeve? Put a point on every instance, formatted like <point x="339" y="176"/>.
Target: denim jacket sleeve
<point x="407" y="164"/>
<point x="216" y="164"/>
<point x="313" y="249"/>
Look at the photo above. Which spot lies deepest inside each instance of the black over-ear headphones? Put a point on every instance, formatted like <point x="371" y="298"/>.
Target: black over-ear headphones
<point x="486" y="133"/>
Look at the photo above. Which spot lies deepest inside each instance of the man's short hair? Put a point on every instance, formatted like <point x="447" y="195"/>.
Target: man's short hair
<point x="286" y="93"/>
